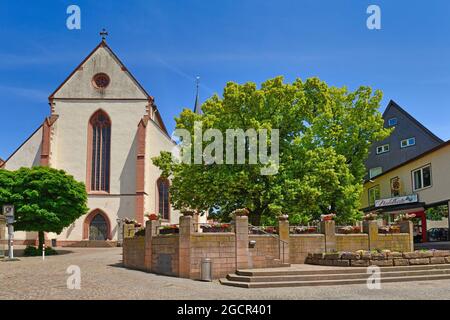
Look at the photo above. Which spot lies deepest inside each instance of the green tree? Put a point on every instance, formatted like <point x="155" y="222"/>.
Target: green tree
<point x="324" y="139"/>
<point x="45" y="199"/>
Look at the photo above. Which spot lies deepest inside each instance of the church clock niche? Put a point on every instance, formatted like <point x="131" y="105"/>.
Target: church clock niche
<point x="100" y="81"/>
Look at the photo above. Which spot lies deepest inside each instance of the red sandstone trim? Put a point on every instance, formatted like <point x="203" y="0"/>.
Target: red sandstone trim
<point x="140" y="168"/>
<point x="46" y="137"/>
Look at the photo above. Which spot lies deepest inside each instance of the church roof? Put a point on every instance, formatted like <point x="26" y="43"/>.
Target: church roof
<point x="104" y="45"/>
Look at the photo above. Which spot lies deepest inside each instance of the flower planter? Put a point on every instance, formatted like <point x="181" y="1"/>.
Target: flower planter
<point x="349" y="230"/>
<point x="215" y="229"/>
<point x="305" y="230"/>
<point x="169" y="231"/>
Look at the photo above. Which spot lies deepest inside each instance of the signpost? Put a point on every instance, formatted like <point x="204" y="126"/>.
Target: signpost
<point x="8" y="212"/>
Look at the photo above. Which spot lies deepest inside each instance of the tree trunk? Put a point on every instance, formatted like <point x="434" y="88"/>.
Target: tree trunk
<point x="41" y="240"/>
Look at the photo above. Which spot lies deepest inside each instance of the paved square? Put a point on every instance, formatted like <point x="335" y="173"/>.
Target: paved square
<point x="102" y="277"/>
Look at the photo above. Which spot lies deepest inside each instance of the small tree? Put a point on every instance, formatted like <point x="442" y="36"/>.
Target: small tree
<point x="45" y="199"/>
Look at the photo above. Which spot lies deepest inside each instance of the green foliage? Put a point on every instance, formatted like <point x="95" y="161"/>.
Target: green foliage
<point x="325" y="135"/>
<point x="45" y="199"/>
<point x="31" y="251"/>
<point x="437" y="213"/>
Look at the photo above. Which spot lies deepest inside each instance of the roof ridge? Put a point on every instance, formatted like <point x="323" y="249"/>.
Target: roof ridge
<point x="393" y="104"/>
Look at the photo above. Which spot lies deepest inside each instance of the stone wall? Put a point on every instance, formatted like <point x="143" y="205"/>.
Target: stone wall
<point x="133" y="253"/>
<point x="302" y="244"/>
<point x="352" y="242"/>
<point x="181" y="254"/>
<point x="219" y="247"/>
<point x="265" y="253"/>
<point x="165" y="255"/>
<point x="381" y="259"/>
<point x="394" y="242"/>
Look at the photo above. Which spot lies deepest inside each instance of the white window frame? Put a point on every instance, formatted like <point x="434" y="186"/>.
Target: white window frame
<point x="408" y="143"/>
<point x="394" y="120"/>
<point x="370" y="172"/>
<point x="421" y="178"/>
<point x="384" y="148"/>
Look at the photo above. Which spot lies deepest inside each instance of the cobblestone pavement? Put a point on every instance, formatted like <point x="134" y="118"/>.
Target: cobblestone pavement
<point x="102" y="277"/>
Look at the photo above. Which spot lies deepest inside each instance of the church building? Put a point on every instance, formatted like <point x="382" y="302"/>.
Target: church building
<point x="103" y="129"/>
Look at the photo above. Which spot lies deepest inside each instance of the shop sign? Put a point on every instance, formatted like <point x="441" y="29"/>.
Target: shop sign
<point x="396" y="201"/>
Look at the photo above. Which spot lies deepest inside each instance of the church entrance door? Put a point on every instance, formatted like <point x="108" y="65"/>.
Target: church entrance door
<point x="98" y="229"/>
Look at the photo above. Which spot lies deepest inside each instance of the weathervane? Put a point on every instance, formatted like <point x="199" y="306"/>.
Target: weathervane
<point x="104" y="34"/>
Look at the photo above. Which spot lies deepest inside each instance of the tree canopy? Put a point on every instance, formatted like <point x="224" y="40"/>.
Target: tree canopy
<point x="45" y="199"/>
<point x="324" y="138"/>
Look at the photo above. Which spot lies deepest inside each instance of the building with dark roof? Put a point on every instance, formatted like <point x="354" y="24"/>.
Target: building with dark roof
<point x="408" y="140"/>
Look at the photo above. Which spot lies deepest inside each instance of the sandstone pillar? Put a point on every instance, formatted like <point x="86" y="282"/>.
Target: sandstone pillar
<point x="2" y="236"/>
<point x="151" y="230"/>
<point x="371" y="228"/>
<point x="408" y="227"/>
<point x="241" y="231"/>
<point x="184" y="246"/>
<point x="328" y="228"/>
<point x="283" y="232"/>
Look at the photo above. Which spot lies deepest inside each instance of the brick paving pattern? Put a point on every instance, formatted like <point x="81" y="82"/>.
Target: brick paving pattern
<point x="102" y="277"/>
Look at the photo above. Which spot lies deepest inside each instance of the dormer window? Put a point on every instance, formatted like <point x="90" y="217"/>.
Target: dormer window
<point x="383" y="149"/>
<point x="408" y="143"/>
<point x="392" y="122"/>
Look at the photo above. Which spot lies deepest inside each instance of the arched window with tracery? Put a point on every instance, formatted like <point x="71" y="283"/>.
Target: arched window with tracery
<point x="99" y="153"/>
<point x="163" y="198"/>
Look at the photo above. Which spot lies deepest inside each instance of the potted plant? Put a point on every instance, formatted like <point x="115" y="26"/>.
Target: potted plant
<point x="328" y="217"/>
<point x="370" y="216"/>
<point x="243" y="212"/>
<point x="405" y="217"/>
<point x="152" y="216"/>
<point x="188" y="212"/>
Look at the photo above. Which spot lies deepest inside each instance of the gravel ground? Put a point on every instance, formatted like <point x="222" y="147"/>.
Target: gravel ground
<point x="102" y="277"/>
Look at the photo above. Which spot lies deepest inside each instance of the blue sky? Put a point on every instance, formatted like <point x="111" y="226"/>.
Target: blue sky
<point x="165" y="44"/>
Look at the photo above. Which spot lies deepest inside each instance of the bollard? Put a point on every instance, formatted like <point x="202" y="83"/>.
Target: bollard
<point x="43" y="251"/>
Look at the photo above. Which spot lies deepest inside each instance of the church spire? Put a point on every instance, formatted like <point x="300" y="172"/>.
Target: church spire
<point x="197" y="107"/>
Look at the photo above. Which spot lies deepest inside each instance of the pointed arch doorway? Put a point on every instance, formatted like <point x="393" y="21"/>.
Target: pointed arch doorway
<point x="97" y="226"/>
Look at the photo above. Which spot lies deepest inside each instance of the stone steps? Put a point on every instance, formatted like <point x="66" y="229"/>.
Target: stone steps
<point x="338" y="276"/>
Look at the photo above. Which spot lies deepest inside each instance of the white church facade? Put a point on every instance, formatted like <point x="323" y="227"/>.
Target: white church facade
<point x="103" y="129"/>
